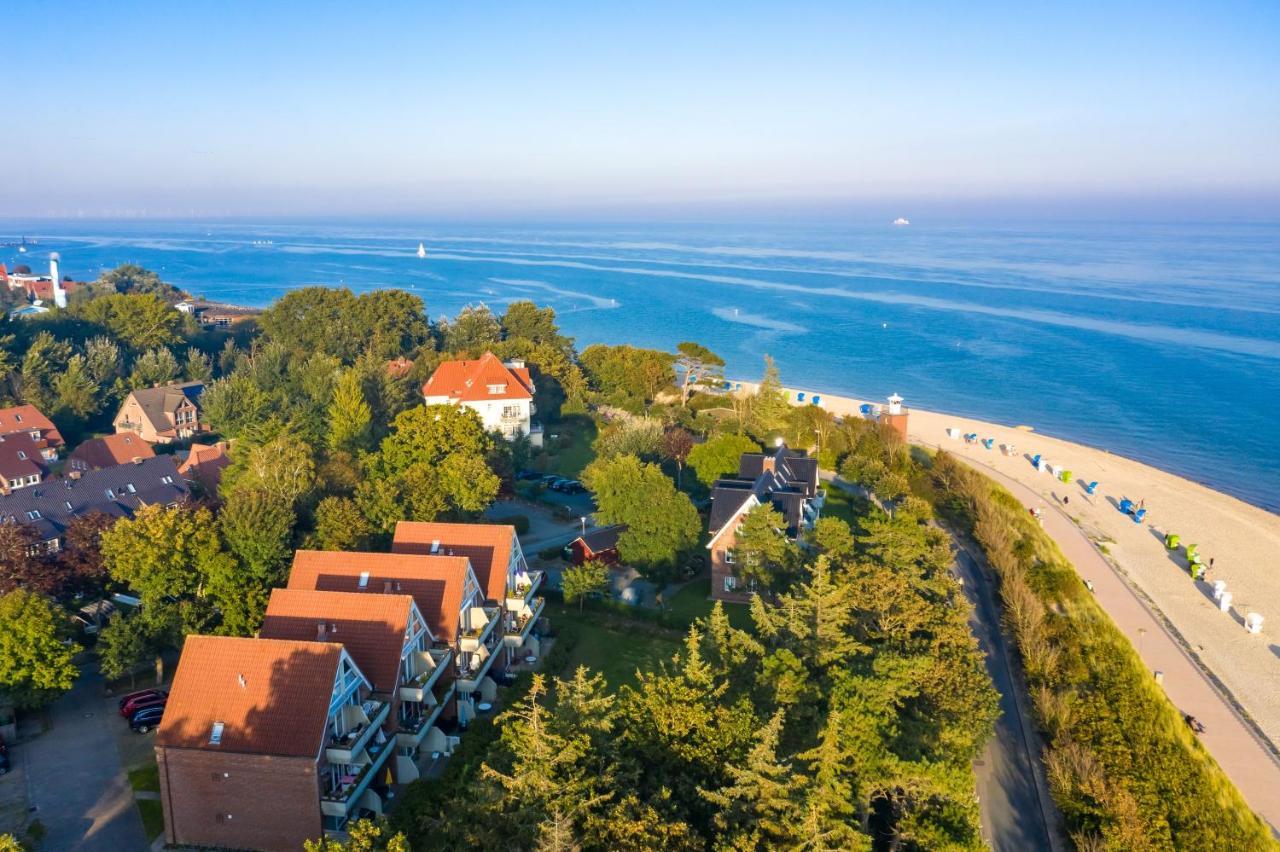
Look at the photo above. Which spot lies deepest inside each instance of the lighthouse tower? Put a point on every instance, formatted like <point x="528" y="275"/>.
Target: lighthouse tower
<point x="59" y="295"/>
<point x="895" y="416"/>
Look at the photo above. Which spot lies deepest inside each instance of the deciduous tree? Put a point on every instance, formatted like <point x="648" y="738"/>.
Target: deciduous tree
<point x="718" y="456"/>
<point x="698" y="367"/>
<point x="36" y="664"/>
<point x="661" y="522"/>
<point x="579" y="581"/>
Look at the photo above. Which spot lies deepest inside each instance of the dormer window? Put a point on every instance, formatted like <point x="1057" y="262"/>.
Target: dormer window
<point x="364" y="579"/>
<point x="33" y="515"/>
<point x="130" y="488"/>
<point x="111" y="495"/>
<point x="495" y="389"/>
<point x="167" y="480"/>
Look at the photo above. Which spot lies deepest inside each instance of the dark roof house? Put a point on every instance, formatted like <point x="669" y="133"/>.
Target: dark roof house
<point x="786" y="478"/>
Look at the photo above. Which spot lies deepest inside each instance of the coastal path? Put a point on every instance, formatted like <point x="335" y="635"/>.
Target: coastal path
<point x="1250" y="765"/>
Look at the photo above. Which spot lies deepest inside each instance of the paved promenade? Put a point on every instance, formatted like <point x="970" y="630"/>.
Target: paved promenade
<point x="1249" y="764"/>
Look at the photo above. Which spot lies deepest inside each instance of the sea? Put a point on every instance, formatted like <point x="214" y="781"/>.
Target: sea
<point x="1156" y="341"/>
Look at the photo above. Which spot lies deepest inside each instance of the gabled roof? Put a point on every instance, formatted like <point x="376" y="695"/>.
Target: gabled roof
<point x="205" y="463"/>
<point x="110" y="450"/>
<point x="117" y="491"/>
<point x="271" y="696"/>
<point x="785" y="478"/>
<point x="469" y="381"/>
<point x="436" y="583"/>
<point x="605" y="538"/>
<point x="159" y="402"/>
<point x="371" y="627"/>
<point x="24" y="418"/>
<point x="488" y="546"/>
<point x="20" y="456"/>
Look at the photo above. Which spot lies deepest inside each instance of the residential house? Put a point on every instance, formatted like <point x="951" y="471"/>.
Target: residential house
<point x="786" y="479"/>
<point x="164" y="414"/>
<point x="501" y="393"/>
<point x="388" y="637"/>
<point x="267" y="743"/>
<point x="499" y="564"/>
<point x="109" y="451"/>
<point x="598" y="545"/>
<point x="28" y="418"/>
<point x="22" y="462"/>
<point x="204" y="465"/>
<point x="119" y="491"/>
<point x="448" y="595"/>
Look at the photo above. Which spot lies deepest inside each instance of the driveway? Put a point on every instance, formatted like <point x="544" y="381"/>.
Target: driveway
<point x="74" y="780"/>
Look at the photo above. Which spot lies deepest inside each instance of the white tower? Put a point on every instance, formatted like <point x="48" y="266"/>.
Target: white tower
<point x="895" y="404"/>
<point x="59" y="295"/>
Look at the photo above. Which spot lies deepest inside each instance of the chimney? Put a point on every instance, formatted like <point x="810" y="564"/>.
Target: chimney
<point x="322" y="633"/>
<point x="386" y="587"/>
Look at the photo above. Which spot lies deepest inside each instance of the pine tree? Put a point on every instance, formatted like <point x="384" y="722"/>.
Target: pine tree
<point x="759" y="807"/>
<point x="829" y="814"/>
<point x="350" y="416"/>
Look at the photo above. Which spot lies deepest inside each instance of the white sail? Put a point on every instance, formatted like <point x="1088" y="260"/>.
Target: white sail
<point x="422" y="250"/>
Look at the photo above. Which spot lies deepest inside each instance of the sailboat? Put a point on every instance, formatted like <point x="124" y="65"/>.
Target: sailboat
<point x="422" y="250"/>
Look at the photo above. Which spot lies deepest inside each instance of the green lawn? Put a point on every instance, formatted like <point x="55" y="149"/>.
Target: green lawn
<point x="694" y="601"/>
<point x="145" y="778"/>
<point x="616" y="647"/>
<point x="577" y="431"/>
<point x="152" y="818"/>
<point x="843" y="505"/>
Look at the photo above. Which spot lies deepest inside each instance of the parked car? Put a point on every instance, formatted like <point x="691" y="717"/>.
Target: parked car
<point x="126" y="700"/>
<point x="573" y="486"/>
<point x="4" y="757"/>
<point x="550" y="478"/>
<point x="528" y="475"/>
<point x="146" y="719"/>
<point x="142" y="703"/>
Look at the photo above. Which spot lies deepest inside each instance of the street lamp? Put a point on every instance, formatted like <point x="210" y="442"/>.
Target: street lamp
<point x="584" y="524"/>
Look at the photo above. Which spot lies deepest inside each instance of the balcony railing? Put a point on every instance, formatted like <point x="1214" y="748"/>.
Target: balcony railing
<point x="517" y="597"/>
<point x="482" y="620"/>
<point x="341" y="799"/>
<point x="361" y="721"/>
<point x="414" y="725"/>
<point x="469" y="679"/>
<point x="521" y="624"/>
<point x="427" y="667"/>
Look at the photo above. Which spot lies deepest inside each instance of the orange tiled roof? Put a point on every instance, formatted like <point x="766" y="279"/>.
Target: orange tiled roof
<point x="371" y="627"/>
<point x="24" y="418"/>
<point x="488" y="546"/>
<point x="469" y="381"/>
<point x="205" y="463"/>
<point x="435" y="582"/>
<point x="111" y="450"/>
<point x="271" y="696"/>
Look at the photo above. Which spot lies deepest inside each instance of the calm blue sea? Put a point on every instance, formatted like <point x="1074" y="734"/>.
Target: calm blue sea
<point x="1160" y="342"/>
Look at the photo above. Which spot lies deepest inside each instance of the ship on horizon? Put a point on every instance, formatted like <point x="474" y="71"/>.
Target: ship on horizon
<point x="902" y="220"/>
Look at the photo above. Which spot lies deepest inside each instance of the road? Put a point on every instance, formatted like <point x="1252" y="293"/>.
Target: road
<point x="74" y="779"/>
<point x="1247" y="761"/>
<point x="1017" y="811"/>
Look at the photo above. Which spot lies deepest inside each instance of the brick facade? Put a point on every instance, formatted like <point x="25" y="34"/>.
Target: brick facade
<point x="238" y="801"/>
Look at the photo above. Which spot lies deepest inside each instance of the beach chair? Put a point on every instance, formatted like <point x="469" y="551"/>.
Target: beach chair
<point x="1126" y="506"/>
<point x="816" y="400"/>
<point x="1139" y="515"/>
<point x="799" y="396"/>
<point x="1035" y="461"/>
<point x="1091" y="487"/>
<point x="1065" y="476"/>
<point x="865" y="410"/>
<point x="952" y="432"/>
<point x="1171" y="541"/>
<point x="1253" y="622"/>
<point x="988" y="442"/>
<point x="1191" y="550"/>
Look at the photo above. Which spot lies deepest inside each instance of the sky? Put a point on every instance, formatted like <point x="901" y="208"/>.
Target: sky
<point x="502" y="109"/>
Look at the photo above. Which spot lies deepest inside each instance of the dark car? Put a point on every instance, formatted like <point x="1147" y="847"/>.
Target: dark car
<point x="528" y="475"/>
<point x="146" y="719"/>
<point x="572" y="486"/>
<point x="140" y="695"/>
<point x="550" y="479"/>
<point x="4" y="757"/>
<point x="143" y="703"/>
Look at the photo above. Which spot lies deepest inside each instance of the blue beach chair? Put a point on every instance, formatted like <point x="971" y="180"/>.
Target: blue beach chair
<point x="1090" y="487"/>
<point x="988" y="442"/>
<point x="799" y="396"/>
<point x="1139" y="515"/>
<point x="816" y="400"/>
<point x="1035" y="461"/>
<point x="865" y="409"/>
<point x="1126" y="506"/>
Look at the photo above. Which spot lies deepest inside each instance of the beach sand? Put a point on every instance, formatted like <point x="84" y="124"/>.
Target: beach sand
<point x="1243" y="540"/>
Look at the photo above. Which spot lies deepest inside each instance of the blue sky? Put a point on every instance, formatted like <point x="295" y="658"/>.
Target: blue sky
<point x="485" y="108"/>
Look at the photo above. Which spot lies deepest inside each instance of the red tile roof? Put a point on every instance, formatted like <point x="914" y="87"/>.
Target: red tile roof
<point x="469" y="381"/>
<point x="24" y="418"/>
<point x="271" y="695"/>
<point x="371" y="627"/>
<point x="205" y="464"/>
<point x="20" y="456"/>
<point x="435" y="582"/>
<point x="110" y="451"/>
<point x="488" y="546"/>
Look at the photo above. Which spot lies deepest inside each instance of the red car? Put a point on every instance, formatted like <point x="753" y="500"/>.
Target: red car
<point x="150" y="698"/>
<point x="125" y="699"/>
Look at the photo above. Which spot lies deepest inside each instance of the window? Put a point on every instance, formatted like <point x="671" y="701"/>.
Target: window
<point x="167" y="480"/>
<point x="17" y="418"/>
<point x="111" y="495"/>
<point x="509" y="411"/>
<point x="22" y="455"/>
<point x="364" y="579"/>
<point x="497" y="389"/>
<point x="33" y="515"/>
<point x="33" y="479"/>
<point x="35" y="436"/>
<point x="53" y="545"/>
<point x="15" y="483"/>
<point x="730" y="583"/>
<point x="728" y="556"/>
<point x="215" y="736"/>
<point x="70" y="508"/>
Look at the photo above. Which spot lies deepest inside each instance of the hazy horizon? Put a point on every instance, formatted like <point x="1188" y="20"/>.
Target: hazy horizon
<point x="708" y="111"/>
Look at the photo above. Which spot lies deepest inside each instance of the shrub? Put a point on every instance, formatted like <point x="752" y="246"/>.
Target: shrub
<point x="520" y="522"/>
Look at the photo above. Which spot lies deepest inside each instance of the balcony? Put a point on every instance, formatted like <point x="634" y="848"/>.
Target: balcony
<point x="414" y="726"/>
<point x="519" y="596"/>
<point x="469" y="679"/>
<point x="361" y="722"/>
<point x="342" y="798"/>
<point x="426" y="666"/>
<point x="481" y="620"/>
<point x="522" y="623"/>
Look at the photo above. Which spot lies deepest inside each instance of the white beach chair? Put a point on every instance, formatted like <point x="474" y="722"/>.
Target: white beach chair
<point x="1253" y="622"/>
<point x="1224" y="603"/>
<point x="1219" y="588"/>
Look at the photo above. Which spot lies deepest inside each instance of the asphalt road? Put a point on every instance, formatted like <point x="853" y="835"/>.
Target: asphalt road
<point x="74" y="778"/>
<point x="1017" y="814"/>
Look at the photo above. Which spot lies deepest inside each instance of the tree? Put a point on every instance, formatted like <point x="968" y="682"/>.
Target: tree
<point x="161" y="552"/>
<point x="258" y="528"/>
<point x="833" y="537"/>
<point x="719" y="456"/>
<point x="526" y="321"/>
<point x="340" y="525"/>
<point x="36" y="664"/>
<point x="699" y="367"/>
<point x="762" y="551"/>
<point x="103" y="360"/>
<point x="363" y="835"/>
<point x="80" y="556"/>
<point x="315" y="319"/>
<point x="627" y="376"/>
<point x="154" y="367"/>
<point x="758" y="808"/>
<point x="389" y="323"/>
<point x="21" y="565"/>
<point x="661" y="522"/>
<point x="472" y="331"/>
<point x="233" y="404"/>
<point x="636" y="436"/>
<point x="349" y="415"/>
<point x="281" y="466"/>
<point x="579" y="581"/>
<point x="142" y="321"/>
<point x="121" y="647"/>
<point x="199" y="366"/>
<point x="131" y="278"/>
<point x="770" y="409"/>
<point x="677" y="443"/>
<point x="76" y="390"/>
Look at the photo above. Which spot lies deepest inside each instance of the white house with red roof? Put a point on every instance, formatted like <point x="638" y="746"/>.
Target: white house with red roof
<point x="501" y="393"/>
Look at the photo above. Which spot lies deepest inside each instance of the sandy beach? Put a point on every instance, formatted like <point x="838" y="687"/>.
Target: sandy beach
<point x="1243" y="541"/>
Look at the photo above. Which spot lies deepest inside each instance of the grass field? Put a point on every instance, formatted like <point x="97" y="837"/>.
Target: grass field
<point x="694" y="601"/>
<point x="613" y="645"/>
<point x="577" y="432"/>
<point x="145" y="779"/>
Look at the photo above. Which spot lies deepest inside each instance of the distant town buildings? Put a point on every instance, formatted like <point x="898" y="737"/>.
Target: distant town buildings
<point x="42" y="291"/>
<point x="787" y="479"/>
<point x="501" y="393"/>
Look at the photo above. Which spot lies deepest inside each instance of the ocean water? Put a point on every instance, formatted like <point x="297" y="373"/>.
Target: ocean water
<point x="1160" y="342"/>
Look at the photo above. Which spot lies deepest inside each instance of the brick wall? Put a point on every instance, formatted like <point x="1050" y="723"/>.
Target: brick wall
<point x="720" y="569"/>
<point x="238" y="801"/>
